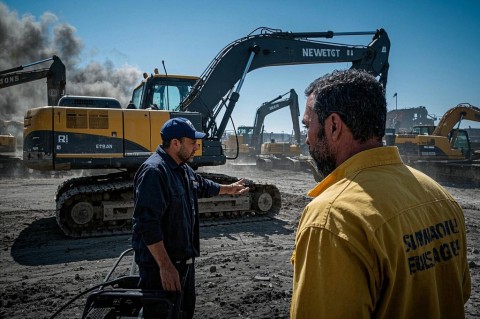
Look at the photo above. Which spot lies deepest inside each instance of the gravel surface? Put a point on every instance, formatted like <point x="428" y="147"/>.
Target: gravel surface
<point x="244" y="270"/>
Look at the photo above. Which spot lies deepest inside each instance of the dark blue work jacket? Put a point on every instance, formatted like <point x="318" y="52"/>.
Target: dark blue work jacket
<point x="166" y="208"/>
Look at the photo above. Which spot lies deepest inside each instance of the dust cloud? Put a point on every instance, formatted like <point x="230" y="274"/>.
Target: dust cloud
<point x="27" y="39"/>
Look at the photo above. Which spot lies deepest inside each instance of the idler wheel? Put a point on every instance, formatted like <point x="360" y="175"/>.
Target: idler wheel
<point x="263" y="201"/>
<point x="82" y="213"/>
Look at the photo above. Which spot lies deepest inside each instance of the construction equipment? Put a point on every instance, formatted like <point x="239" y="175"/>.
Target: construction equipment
<point x="120" y="297"/>
<point x="55" y="74"/>
<point x="273" y="154"/>
<point x="445" y="150"/>
<point x="10" y="136"/>
<point x="445" y="142"/>
<point x="8" y="141"/>
<point x="250" y="143"/>
<point x="65" y="138"/>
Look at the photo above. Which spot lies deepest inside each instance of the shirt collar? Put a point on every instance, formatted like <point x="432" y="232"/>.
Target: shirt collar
<point x="167" y="158"/>
<point x="377" y="156"/>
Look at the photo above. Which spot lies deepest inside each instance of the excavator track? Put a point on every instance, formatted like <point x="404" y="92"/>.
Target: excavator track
<point x="95" y="205"/>
<point x="102" y="205"/>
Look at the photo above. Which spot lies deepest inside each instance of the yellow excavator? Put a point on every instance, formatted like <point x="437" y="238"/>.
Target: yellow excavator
<point x="446" y="141"/>
<point x="8" y="141"/>
<point x="443" y="151"/>
<point x="68" y="138"/>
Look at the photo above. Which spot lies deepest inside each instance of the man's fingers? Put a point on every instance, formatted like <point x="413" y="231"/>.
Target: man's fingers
<point x="170" y="280"/>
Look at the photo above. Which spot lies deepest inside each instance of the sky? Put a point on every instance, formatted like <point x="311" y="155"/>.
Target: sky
<point x="433" y="60"/>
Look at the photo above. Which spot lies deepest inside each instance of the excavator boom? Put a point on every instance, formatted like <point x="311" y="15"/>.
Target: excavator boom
<point x="276" y="49"/>
<point x="55" y="74"/>
<point x="455" y="116"/>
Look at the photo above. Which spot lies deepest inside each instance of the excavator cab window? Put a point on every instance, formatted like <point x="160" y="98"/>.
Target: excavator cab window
<point x="136" y="97"/>
<point x="162" y="92"/>
<point x="245" y="130"/>
<point x="167" y="96"/>
<point x="462" y="141"/>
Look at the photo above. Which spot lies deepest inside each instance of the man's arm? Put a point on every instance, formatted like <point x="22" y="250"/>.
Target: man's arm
<point x="168" y="272"/>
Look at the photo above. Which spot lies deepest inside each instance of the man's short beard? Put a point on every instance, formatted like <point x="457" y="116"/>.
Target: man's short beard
<point x="322" y="155"/>
<point x="184" y="157"/>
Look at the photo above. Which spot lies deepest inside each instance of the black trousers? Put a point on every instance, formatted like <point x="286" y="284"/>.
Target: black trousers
<point x="150" y="279"/>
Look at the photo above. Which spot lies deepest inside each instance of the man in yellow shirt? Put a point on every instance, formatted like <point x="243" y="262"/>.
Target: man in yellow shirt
<point x="379" y="239"/>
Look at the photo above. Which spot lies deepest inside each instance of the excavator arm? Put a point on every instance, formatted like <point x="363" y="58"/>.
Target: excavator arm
<point x="56" y="78"/>
<point x="455" y="116"/>
<point x="272" y="106"/>
<point x="272" y="48"/>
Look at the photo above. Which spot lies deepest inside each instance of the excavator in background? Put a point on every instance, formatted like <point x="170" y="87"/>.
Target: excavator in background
<point x="8" y="141"/>
<point x="247" y="142"/>
<point x="443" y="151"/>
<point x="68" y="138"/>
<point x="55" y="75"/>
<point x="11" y="131"/>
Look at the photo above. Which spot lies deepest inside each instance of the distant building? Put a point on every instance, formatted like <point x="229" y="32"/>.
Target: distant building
<point x="403" y="120"/>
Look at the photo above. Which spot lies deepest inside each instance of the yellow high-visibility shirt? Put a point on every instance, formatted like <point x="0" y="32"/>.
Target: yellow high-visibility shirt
<point x="380" y="240"/>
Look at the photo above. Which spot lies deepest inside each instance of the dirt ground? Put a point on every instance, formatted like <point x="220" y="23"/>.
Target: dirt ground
<point x="243" y="272"/>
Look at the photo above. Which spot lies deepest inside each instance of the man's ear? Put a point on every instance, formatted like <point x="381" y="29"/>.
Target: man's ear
<point x="175" y="142"/>
<point x="336" y="126"/>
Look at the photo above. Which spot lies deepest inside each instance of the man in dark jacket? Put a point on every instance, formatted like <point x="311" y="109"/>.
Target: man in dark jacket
<point x="165" y="220"/>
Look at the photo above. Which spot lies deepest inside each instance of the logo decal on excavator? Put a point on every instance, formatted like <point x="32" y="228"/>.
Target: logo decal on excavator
<point x="63" y="139"/>
<point x="334" y="53"/>
<point x="9" y="79"/>
<point x="274" y="106"/>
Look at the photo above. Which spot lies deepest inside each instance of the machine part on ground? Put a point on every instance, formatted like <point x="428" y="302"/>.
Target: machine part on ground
<point x="120" y="297"/>
<point x="443" y="152"/>
<point x="68" y="138"/>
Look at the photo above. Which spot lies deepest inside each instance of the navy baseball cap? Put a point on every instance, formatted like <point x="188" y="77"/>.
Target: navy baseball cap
<point x="179" y="127"/>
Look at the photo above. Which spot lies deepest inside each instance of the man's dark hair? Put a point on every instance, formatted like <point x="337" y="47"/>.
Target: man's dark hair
<point x="356" y="96"/>
<point x="166" y="143"/>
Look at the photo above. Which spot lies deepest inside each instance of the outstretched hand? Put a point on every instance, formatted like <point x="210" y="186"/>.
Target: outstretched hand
<point x="236" y="188"/>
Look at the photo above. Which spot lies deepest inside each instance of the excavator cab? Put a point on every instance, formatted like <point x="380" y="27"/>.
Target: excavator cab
<point x="247" y="133"/>
<point x="162" y="92"/>
<point x="462" y="141"/>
